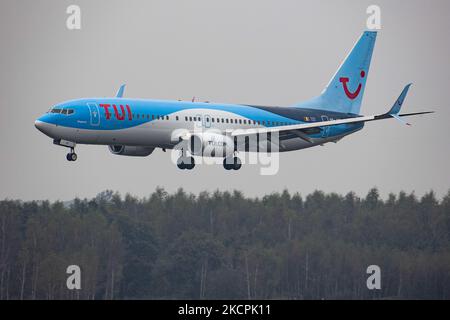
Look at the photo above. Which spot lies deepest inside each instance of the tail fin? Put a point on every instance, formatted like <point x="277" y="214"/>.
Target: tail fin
<point x="345" y="90"/>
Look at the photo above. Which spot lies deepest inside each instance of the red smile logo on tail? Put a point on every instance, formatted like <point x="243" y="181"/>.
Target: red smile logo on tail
<point x="351" y="95"/>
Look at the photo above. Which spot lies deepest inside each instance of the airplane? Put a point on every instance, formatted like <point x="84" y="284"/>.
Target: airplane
<point x="136" y="127"/>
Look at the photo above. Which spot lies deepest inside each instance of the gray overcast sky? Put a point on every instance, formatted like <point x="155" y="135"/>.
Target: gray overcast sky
<point x="259" y="52"/>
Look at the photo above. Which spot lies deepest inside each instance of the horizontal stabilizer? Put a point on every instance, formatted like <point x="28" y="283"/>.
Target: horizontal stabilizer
<point x="392" y="113"/>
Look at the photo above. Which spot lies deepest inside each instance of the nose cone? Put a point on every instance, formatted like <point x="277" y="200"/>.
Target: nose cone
<point x="44" y="127"/>
<point x="38" y="124"/>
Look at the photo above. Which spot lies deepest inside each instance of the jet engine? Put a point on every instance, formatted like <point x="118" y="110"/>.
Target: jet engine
<point x="132" y="151"/>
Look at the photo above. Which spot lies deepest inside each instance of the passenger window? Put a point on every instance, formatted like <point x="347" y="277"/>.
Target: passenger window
<point x="176" y="118"/>
<point x="167" y="117"/>
<point x="190" y="118"/>
<point x="185" y="119"/>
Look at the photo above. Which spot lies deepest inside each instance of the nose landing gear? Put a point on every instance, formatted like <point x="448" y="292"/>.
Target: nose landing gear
<point x="71" y="156"/>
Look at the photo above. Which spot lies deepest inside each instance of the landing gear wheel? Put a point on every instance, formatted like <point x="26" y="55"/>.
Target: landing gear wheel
<point x="72" y="156"/>
<point x="186" y="163"/>
<point x="227" y="164"/>
<point x="237" y="164"/>
<point x="190" y="163"/>
<point x="180" y="163"/>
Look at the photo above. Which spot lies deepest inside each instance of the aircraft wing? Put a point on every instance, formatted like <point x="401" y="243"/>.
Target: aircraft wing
<point x="392" y="113"/>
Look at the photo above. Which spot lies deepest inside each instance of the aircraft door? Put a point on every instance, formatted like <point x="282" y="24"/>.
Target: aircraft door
<point x="94" y="114"/>
<point x="199" y="121"/>
<point x="207" y="121"/>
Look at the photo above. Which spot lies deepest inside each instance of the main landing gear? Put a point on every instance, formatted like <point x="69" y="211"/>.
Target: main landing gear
<point x="185" y="162"/>
<point x="188" y="163"/>
<point x="232" y="163"/>
<point x="71" y="156"/>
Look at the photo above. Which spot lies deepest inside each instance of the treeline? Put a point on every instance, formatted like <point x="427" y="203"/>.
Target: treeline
<point x="227" y="246"/>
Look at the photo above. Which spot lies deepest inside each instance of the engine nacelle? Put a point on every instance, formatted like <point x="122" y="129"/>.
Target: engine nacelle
<point x="132" y="151"/>
<point x="210" y="144"/>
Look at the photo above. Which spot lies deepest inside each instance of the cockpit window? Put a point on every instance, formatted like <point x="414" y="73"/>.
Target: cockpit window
<point x="62" y="111"/>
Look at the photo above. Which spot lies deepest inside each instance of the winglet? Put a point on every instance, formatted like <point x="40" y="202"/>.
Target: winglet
<point x="395" y="110"/>
<point x="119" y="93"/>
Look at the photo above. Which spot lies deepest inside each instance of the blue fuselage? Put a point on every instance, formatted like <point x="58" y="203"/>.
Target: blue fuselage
<point x="138" y="122"/>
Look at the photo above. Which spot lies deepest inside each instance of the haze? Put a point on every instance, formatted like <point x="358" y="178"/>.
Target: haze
<point x="255" y="52"/>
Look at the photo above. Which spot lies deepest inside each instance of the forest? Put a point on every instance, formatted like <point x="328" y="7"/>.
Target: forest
<point x="224" y="245"/>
